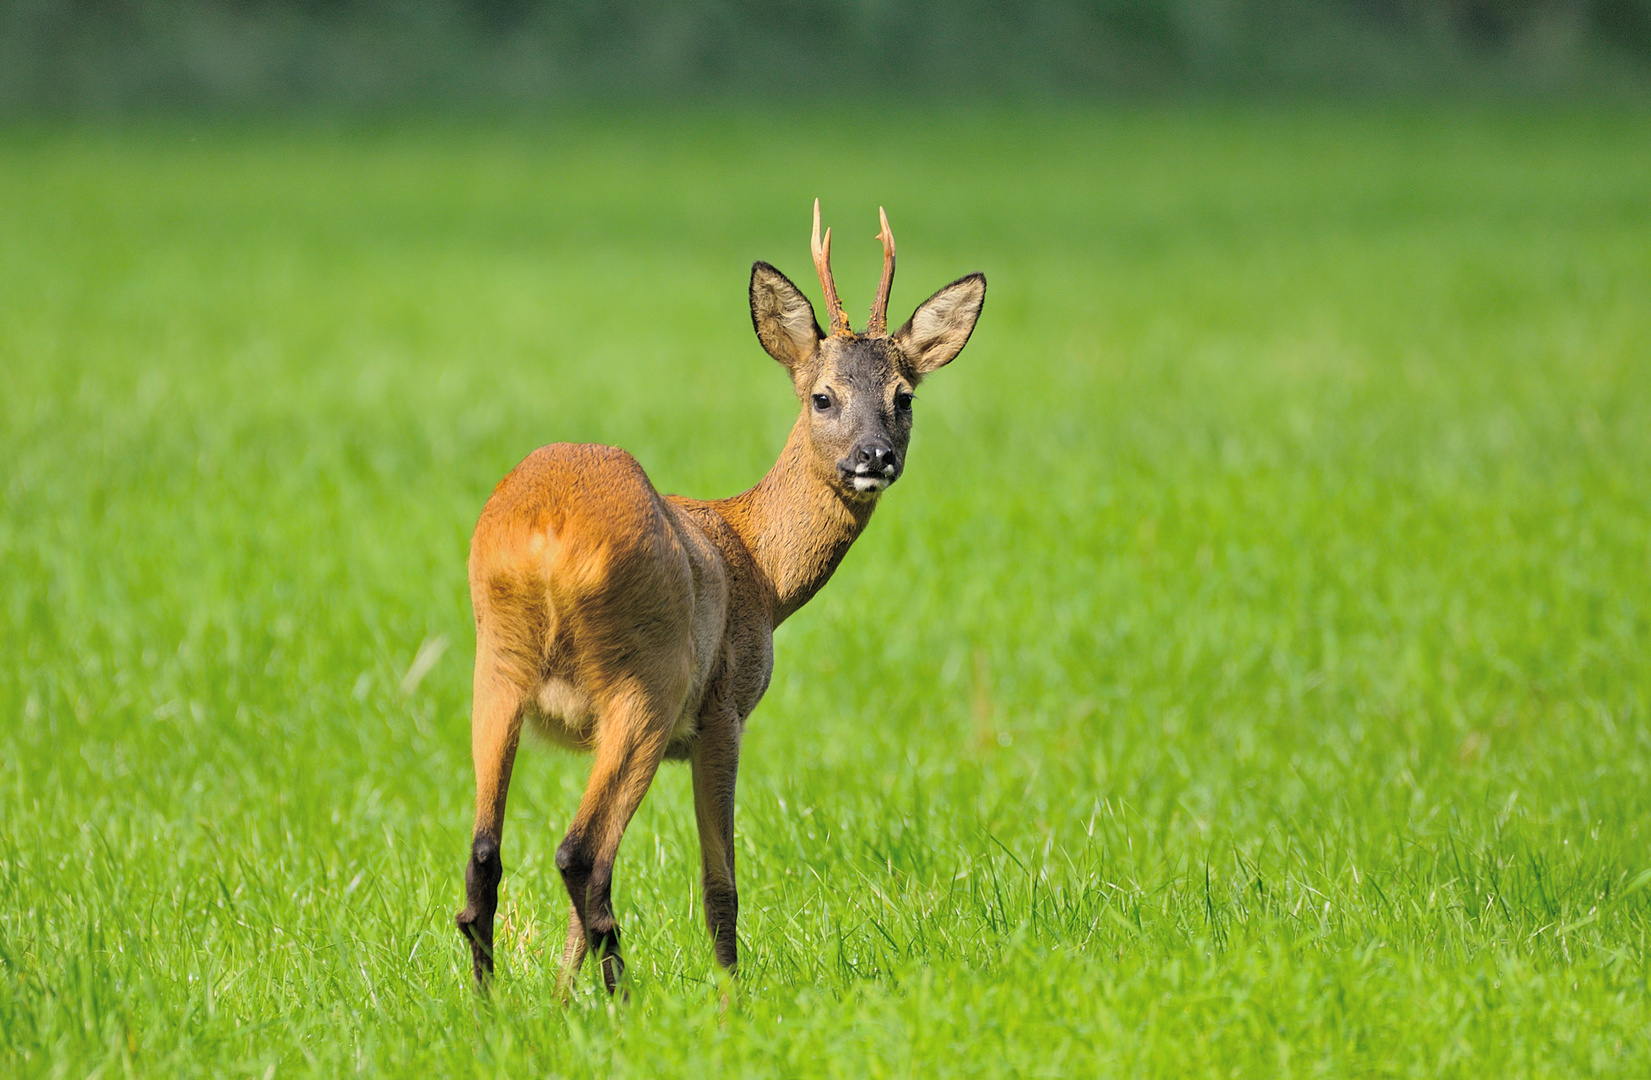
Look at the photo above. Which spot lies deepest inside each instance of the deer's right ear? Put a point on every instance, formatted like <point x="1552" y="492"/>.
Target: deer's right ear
<point x="783" y="317"/>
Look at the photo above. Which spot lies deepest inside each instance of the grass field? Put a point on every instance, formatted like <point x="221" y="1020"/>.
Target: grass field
<point x="1251" y="675"/>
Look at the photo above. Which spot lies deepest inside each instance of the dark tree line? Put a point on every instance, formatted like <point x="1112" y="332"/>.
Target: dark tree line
<point x="91" y="55"/>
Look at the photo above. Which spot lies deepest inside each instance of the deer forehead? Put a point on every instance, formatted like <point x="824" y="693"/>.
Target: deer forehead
<point x="863" y="364"/>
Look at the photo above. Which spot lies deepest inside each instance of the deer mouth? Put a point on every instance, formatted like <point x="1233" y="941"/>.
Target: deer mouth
<point x="869" y="480"/>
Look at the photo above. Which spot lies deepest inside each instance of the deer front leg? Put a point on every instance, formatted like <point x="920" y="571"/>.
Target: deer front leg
<point x="629" y="750"/>
<point x="716" y="758"/>
<point x="495" y="728"/>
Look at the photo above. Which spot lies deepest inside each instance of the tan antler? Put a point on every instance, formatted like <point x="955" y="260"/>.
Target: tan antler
<point x="822" y="263"/>
<point x="879" y="324"/>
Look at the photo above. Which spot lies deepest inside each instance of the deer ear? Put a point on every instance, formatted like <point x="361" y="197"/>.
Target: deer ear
<point x="783" y="317"/>
<point x="941" y="325"/>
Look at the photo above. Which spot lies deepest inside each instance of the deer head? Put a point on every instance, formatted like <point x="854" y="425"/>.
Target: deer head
<point x="857" y="389"/>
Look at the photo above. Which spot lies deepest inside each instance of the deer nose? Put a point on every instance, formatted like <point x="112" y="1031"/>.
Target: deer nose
<point x="875" y="457"/>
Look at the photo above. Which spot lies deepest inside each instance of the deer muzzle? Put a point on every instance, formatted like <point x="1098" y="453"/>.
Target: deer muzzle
<point x="871" y="466"/>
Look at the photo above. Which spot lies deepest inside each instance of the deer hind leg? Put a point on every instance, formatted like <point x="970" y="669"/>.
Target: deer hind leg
<point x="573" y="953"/>
<point x="630" y="745"/>
<point x="715" y="759"/>
<point x="495" y="729"/>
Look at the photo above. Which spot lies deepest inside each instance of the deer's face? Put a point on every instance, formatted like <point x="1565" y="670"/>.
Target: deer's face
<point x="858" y="399"/>
<point x="856" y="389"/>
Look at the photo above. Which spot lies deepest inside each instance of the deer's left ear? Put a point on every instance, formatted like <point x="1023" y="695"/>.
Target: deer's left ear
<point x="941" y="325"/>
<point x="783" y="317"/>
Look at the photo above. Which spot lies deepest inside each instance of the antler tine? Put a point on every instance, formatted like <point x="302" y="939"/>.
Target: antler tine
<point x="822" y="264"/>
<point x="879" y="324"/>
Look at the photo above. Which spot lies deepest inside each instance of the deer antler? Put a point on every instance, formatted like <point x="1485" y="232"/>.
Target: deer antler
<point x="879" y="324"/>
<point x="822" y="263"/>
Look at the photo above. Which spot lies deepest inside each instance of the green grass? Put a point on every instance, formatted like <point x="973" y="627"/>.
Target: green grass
<point x="1250" y="676"/>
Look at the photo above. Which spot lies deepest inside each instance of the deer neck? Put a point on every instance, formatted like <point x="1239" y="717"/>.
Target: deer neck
<point x="797" y="524"/>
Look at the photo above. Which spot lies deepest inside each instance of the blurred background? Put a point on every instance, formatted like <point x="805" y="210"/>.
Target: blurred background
<point x="1251" y="674"/>
<point x="113" y="55"/>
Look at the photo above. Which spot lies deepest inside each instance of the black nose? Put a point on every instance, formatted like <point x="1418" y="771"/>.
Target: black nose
<point x="877" y="455"/>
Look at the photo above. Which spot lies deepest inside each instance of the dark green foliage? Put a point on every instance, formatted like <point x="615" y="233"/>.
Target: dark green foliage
<point x="79" y="55"/>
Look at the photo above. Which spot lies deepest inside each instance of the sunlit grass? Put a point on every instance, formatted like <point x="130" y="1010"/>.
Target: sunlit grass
<point x="1249" y="675"/>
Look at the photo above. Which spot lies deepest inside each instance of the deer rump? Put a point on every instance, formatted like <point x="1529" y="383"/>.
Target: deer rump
<point x="621" y="592"/>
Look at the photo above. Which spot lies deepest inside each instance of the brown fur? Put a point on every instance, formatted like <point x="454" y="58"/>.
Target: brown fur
<point x="640" y="626"/>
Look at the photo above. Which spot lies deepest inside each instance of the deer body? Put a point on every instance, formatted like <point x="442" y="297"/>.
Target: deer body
<point x="639" y="626"/>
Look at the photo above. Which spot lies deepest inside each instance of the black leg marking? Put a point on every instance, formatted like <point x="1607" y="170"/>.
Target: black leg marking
<point x="603" y="928"/>
<point x="590" y="888"/>
<point x="481" y="889"/>
<point x="716" y="768"/>
<point x="722" y="909"/>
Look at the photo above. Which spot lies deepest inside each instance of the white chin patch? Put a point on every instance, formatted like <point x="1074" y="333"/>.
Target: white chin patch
<point x="870" y="483"/>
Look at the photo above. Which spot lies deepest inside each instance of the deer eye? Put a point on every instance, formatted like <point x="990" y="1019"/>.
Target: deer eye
<point x="822" y="402"/>
<point x="902" y="401"/>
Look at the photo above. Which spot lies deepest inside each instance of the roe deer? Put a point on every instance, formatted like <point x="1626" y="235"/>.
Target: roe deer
<point x="640" y="626"/>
